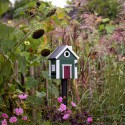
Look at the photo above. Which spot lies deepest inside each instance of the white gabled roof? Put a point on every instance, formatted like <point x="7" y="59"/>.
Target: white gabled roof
<point x="59" y="50"/>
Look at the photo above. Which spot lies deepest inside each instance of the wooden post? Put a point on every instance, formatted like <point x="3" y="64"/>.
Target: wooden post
<point x="33" y="93"/>
<point x="64" y="90"/>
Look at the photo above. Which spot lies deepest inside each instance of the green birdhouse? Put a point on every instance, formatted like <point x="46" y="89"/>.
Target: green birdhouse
<point x="63" y="63"/>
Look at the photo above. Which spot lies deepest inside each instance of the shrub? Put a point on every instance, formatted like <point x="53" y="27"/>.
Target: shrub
<point x="107" y="8"/>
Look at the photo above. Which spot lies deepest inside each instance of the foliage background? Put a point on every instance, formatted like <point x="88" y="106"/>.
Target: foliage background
<point x="97" y="36"/>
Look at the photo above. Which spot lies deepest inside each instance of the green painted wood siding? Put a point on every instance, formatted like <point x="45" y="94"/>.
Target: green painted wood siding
<point x="67" y="60"/>
<point x="71" y="57"/>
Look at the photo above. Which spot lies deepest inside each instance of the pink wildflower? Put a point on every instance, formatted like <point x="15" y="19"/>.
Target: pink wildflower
<point x="13" y="119"/>
<point x="69" y="112"/>
<point x="18" y="111"/>
<point x="22" y="96"/>
<point x="4" y="122"/>
<point x="60" y="99"/>
<point x="66" y="116"/>
<point x="89" y="119"/>
<point x="24" y="118"/>
<point x="62" y="107"/>
<point x="73" y="104"/>
<point x="4" y="115"/>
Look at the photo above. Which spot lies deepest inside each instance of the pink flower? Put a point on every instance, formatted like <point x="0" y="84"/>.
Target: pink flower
<point x="89" y="119"/>
<point x="18" y="111"/>
<point x="4" y="122"/>
<point x="62" y="107"/>
<point x="24" y="118"/>
<point x="13" y="119"/>
<point x="73" y="104"/>
<point x="60" y="99"/>
<point x="69" y="112"/>
<point x="4" y="115"/>
<point x="22" y="96"/>
<point x="66" y="116"/>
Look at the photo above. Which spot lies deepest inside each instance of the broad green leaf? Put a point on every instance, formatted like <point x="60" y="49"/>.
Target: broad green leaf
<point x="31" y="82"/>
<point x="7" y="71"/>
<point x="19" y="11"/>
<point x="4" y="5"/>
<point x="105" y="20"/>
<point x="5" y="31"/>
<point x="7" y="45"/>
<point x="110" y="28"/>
<point x="101" y="27"/>
<point x="17" y="35"/>
<point x="22" y="64"/>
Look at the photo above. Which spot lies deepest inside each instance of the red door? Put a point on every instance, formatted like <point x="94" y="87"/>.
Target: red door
<point x="66" y="72"/>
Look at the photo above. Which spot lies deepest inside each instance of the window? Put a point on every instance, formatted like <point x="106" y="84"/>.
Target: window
<point x="66" y="53"/>
<point x="53" y="68"/>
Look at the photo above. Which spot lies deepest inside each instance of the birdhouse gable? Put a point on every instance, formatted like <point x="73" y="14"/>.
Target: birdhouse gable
<point x="65" y="49"/>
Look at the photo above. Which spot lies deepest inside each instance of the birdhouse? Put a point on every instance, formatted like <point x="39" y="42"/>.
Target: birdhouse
<point x="63" y="63"/>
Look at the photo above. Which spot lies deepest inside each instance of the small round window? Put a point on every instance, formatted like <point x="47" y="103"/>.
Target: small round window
<point x="66" y="53"/>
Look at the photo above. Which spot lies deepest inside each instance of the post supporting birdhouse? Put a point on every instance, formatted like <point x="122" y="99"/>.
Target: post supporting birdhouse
<point x="64" y="90"/>
<point x="63" y="65"/>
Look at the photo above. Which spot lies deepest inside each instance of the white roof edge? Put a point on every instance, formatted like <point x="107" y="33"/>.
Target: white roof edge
<point x="69" y="47"/>
<point x="53" y="51"/>
<point x="73" y="53"/>
<point x="62" y="51"/>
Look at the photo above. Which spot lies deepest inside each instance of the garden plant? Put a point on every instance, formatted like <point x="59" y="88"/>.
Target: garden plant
<point x="30" y="30"/>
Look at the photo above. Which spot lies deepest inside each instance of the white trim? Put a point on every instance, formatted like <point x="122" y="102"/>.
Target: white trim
<point x="57" y="69"/>
<point x="73" y="52"/>
<point x="75" y="70"/>
<point x="49" y="69"/>
<point x="75" y="61"/>
<point x="67" y="47"/>
<point x="62" y="51"/>
<point x="70" y="70"/>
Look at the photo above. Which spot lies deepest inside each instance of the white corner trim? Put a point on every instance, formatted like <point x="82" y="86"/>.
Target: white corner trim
<point x="76" y="74"/>
<point x="57" y="69"/>
<point x="75" y="70"/>
<point x="63" y="70"/>
<point x="49" y="69"/>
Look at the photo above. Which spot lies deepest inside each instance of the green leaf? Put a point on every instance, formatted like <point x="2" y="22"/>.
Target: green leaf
<point x="110" y="28"/>
<point x="7" y="45"/>
<point x="7" y="70"/>
<point x="105" y="20"/>
<point x="40" y="94"/>
<point x="22" y="64"/>
<point x="31" y="82"/>
<point x="53" y="90"/>
<point x="45" y="74"/>
<point x="5" y="31"/>
<point x="4" y="5"/>
<point x="17" y="35"/>
<point x="19" y="11"/>
<point x="101" y="27"/>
